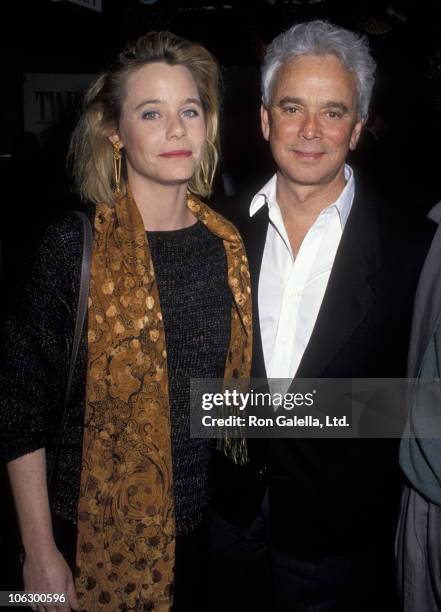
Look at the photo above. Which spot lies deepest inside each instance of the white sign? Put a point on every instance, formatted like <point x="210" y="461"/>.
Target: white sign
<point x="93" y="5"/>
<point x="48" y="97"/>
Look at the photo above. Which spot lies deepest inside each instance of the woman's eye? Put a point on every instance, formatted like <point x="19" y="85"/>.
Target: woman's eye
<point x="150" y="114"/>
<point x="190" y="112"/>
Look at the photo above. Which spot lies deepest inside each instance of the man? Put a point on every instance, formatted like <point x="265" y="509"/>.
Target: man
<point x="419" y="531"/>
<point x="308" y="524"/>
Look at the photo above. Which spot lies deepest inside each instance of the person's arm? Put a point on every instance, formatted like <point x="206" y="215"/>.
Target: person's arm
<point x="45" y="569"/>
<point x="34" y="355"/>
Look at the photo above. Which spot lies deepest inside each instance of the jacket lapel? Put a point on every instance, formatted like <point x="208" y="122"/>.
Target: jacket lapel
<point x="350" y="291"/>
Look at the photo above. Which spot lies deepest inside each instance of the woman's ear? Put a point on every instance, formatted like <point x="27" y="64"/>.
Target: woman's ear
<point x="116" y="139"/>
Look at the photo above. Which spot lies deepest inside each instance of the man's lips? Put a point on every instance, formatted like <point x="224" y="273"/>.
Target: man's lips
<point x="178" y="153"/>
<point x="308" y="154"/>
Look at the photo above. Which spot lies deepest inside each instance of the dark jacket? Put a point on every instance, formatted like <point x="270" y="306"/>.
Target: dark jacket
<point x="335" y="496"/>
<point x="420" y="453"/>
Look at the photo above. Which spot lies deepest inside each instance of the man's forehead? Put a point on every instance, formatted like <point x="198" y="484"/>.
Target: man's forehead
<point x="325" y="70"/>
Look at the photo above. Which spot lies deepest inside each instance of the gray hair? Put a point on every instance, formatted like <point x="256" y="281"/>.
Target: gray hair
<point x="321" y="38"/>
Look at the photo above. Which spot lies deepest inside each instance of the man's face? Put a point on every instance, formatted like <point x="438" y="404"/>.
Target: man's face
<point x="312" y="120"/>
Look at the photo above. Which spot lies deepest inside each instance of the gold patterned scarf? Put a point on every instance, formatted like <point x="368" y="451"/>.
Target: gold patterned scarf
<point x="126" y="528"/>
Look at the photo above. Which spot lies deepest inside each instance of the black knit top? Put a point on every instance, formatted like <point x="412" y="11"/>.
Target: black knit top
<point x="191" y="271"/>
<point x="191" y="268"/>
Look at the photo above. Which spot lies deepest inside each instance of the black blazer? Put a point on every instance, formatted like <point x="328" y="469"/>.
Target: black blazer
<point x="334" y="496"/>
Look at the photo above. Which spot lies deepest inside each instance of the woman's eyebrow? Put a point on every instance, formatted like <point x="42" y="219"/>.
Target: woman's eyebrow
<point x="148" y="101"/>
<point x="158" y="101"/>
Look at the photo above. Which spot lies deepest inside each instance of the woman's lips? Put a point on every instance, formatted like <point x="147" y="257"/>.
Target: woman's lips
<point x="179" y="153"/>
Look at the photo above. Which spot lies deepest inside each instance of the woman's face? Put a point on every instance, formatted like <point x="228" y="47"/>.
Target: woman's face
<point x="162" y="125"/>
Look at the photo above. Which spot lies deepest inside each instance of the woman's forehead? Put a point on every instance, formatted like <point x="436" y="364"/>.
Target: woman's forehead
<point x="160" y="82"/>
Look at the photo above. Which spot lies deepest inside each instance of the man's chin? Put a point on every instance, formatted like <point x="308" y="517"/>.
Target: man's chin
<point x="311" y="177"/>
<point x="306" y="179"/>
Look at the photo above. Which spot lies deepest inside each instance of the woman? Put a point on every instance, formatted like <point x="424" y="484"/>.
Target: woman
<point x="168" y="300"/>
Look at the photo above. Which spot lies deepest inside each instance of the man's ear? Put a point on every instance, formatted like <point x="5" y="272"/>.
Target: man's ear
<point x="356" y="131"/>
<point x="265" y="121"/>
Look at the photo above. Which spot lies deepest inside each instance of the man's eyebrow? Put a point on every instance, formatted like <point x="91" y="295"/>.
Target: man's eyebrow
<point x="334" y="104"/>
<point x="326" y="104"/>
<point x="290" y="100"/>
<point x="157" y="101"/>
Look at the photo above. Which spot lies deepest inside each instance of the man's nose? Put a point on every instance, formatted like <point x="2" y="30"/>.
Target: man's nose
<point x="310" y="127"/>
<point x="176" y="127"/>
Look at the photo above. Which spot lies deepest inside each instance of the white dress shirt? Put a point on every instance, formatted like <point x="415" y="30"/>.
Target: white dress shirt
<point x="291" y="288"/>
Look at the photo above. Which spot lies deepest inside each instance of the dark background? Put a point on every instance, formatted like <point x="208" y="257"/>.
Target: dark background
<point x="399" y="151"/>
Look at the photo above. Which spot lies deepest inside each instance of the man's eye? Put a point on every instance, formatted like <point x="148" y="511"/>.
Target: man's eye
<point x="190" y="112"/>
<point x="150" y="114"/>
<point x="334" y="114"/>
<point x="291" y="110"/>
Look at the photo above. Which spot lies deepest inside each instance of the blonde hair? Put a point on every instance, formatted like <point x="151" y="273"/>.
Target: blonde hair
<point x="91" y="152"/>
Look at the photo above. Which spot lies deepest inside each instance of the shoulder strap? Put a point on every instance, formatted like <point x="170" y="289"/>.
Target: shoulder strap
<point x="79" y="326"/>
